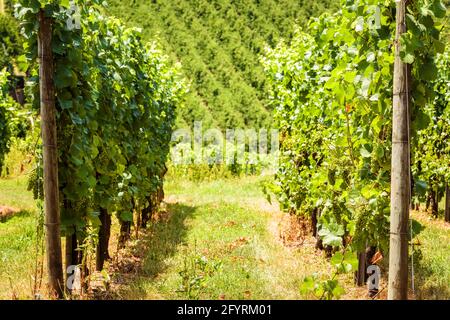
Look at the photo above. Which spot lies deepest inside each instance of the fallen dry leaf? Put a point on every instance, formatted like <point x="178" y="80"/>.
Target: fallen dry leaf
<point x="230" y="224"/>
<point x="377" y="257"/>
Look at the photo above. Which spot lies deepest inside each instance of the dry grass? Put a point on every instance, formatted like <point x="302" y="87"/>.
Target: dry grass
<point x="7" y="212"/>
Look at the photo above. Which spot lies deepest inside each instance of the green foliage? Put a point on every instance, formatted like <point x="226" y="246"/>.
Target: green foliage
<point x="218" y="43"/>
<point x="332" y="94"/>
<point x="14" y="122"/>
<point x="216" y="162"/>
<point x="432" y="155"/>
<point x="323" y="290"/>
<point x="6" y="115"/>
<point x="10" y="41"/>
<point x="328" y="289"/>
<point x="116" y="99"/>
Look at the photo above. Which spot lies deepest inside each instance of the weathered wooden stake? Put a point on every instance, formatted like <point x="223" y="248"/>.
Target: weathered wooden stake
<point x="400" y="179"/>
<point x="360" y="275"/>
<point x="50" y="155"/>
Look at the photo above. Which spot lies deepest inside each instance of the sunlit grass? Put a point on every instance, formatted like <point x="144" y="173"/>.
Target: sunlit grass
<point x="432" y="258"/>
<point x="17" y="240"/>
<point x="222" y="233"/>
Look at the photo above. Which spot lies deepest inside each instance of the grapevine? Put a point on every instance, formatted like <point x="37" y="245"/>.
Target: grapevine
<point x="332" y="94"/>
<point x="116" y="100"/>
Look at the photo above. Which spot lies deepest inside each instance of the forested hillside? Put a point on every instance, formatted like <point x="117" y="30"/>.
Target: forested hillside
<point x="218" y="43"/>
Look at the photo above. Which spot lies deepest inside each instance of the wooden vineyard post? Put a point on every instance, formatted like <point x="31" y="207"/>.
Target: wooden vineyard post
<point x="447" y="202"/>
<point x="50" y="157"/>
<point x="400" y="179"/>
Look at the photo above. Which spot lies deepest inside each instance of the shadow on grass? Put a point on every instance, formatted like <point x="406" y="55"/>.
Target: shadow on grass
<point x="6" y="216"/>
<point x="165" y="237"/>
<point x="161" y="241"/>
<point x="428" y="285"/>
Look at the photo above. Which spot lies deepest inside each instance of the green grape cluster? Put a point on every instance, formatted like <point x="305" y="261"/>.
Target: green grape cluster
<point x="36" y="183"/>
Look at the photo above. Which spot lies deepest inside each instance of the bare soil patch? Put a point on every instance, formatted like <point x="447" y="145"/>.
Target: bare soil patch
<point x="7" y="212"/>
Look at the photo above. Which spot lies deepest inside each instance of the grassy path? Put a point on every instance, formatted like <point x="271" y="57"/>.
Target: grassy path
<point x="219" y="241"/>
